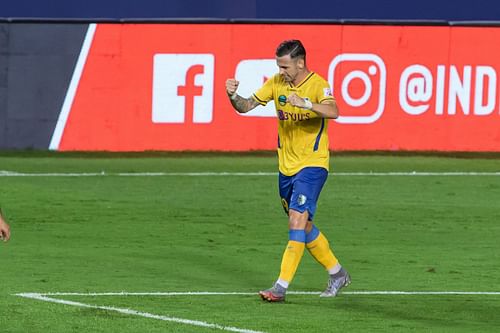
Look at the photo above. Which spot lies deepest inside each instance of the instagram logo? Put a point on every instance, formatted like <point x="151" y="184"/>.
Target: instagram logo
<point x="183" y="88"/>
<point x="361" y="80"/>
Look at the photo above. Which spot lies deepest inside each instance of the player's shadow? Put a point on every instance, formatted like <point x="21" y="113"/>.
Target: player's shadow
<point x="464" y="313"/>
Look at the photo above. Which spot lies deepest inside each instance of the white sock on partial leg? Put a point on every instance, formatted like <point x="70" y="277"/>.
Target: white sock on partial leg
<point x="282" y="283"/>
<point x="335" y="269"/>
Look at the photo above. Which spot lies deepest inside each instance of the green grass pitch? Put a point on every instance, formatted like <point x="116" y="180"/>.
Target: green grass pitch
<point x="108" y="232"/>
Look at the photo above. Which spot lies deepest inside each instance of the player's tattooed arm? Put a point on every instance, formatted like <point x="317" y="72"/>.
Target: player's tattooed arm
<point x="243" y="105"/>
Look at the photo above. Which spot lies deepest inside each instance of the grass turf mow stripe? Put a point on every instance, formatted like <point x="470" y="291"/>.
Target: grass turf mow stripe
<point x="45" y="297"/>
<point x="235" y="293"/>
<point x="421" y="216"/>
<point x="5" y="173"/>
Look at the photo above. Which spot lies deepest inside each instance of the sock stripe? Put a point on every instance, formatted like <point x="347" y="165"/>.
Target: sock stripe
<point x="312" y="235"/>
<point x="297" y="235"/>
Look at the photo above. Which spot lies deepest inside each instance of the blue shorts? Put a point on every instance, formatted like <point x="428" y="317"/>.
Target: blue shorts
<point x="300" y="192"/>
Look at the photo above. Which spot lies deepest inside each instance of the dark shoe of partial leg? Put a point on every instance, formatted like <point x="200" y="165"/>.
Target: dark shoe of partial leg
<point x="274" y="294"/>
<point x="335" y="283"/>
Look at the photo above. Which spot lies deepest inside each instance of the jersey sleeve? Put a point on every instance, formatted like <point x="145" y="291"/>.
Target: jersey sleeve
<point x="324" y="93"/>
<point x="265" y="93"/>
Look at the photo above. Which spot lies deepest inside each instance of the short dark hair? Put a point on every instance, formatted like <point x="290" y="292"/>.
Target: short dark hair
<point x="293" y="47"/>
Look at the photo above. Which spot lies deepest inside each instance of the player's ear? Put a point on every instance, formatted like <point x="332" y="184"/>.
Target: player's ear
<point x="300" y="63"/>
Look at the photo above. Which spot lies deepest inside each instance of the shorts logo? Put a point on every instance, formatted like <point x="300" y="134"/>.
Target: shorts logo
<point x="301" y="200"/>
<point x="282" y="100"/>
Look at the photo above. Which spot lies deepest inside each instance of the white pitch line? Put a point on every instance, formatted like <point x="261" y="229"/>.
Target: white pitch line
<point x="216" y="293"/>
<point x="199" y="323"/>
<point x="4" y="173"/>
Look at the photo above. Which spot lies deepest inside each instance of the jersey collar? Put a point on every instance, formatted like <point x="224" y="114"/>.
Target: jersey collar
<point x="303" y="81"/>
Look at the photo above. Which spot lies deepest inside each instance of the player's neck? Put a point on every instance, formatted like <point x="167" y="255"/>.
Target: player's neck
<point x="301" y="76"/>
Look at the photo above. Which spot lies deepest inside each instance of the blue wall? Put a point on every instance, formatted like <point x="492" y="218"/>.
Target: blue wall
<point x="450" y="10"/>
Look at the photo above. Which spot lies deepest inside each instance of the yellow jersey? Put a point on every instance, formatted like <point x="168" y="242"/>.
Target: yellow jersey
<point x="302" y="134"/>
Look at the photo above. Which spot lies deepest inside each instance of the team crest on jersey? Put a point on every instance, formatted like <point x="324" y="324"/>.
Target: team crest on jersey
<point x="327" y="92"/>
<point x="301" y="199"/>
<point x="282" y="100"/>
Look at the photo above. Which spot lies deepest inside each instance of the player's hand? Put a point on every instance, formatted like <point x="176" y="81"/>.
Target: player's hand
<point x="4" y="231"/>
<point x="231" y="86"/>
<point x="296" y="100"/>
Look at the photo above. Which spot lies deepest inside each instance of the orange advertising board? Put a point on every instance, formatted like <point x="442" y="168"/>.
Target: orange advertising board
<point x="162" y="87"/>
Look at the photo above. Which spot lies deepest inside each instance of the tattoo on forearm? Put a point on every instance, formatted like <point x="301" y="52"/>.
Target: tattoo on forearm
<point x="244" y="105"/>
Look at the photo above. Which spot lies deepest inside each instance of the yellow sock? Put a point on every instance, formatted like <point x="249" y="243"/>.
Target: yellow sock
<point x="292" y="255"/>
<point x="318" y="246"/>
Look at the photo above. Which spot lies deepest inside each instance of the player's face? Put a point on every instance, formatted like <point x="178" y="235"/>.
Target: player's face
<point x="289" y="68"/>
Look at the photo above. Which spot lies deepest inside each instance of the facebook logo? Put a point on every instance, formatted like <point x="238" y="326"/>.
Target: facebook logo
<point x="183" y="88"/>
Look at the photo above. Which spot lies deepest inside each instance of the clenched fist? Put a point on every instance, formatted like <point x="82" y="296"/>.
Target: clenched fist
<point x="232" y="86"/>
<point x="296" y="100"/>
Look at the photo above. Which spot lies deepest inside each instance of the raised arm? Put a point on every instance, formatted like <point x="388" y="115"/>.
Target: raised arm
<point x="240" y="104"/>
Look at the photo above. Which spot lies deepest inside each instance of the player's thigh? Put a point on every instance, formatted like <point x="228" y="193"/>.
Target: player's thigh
<point x="307" y="186"/>
<point x="310" y="181"/>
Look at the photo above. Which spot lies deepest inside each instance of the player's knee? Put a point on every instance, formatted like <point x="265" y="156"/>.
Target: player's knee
<point x="297" y="220"/>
